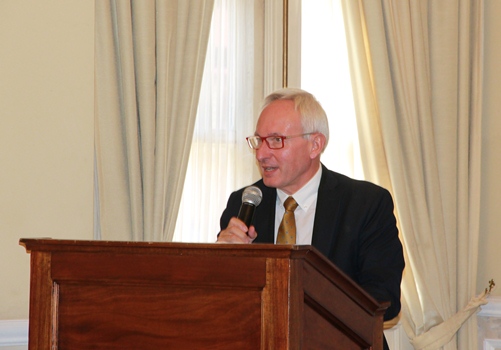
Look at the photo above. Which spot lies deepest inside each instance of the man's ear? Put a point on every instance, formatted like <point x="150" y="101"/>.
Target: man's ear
<point x="317" y="144"/>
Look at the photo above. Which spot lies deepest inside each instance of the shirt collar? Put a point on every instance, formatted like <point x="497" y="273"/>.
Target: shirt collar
<point x="307" y="194"/>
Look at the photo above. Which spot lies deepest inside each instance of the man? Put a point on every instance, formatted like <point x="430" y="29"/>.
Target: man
<point x="351" y="222"/>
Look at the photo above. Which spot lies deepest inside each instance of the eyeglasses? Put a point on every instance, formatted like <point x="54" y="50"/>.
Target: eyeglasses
<point x="273" y="142"/>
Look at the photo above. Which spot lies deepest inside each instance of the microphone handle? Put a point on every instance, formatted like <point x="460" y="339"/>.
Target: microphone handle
<point x="246" y="213"/>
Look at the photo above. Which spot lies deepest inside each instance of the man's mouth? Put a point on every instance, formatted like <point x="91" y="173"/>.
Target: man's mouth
<point x="269" y="168"/>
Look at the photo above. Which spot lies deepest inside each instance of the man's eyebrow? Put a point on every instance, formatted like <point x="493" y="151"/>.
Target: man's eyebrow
<point x="272" y="134"/>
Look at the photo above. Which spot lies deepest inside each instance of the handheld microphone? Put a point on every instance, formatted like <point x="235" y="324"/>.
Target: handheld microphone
<point x="251" y="198"/>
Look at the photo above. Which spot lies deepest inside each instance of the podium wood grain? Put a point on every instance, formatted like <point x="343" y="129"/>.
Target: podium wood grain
<point x="140" y="295"/>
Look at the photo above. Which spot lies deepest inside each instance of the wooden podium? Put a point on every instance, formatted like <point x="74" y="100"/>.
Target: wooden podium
<point x="139" y="295"/>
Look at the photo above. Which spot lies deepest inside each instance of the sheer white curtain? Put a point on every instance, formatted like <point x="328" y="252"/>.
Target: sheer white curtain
<point x="325" y="72"/>
<point x="220" y="161"/>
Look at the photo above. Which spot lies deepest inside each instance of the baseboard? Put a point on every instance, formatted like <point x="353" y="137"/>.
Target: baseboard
<point x="13" y="332"/>
<point x="492" y="308"/>
<point x="397" y="339"/>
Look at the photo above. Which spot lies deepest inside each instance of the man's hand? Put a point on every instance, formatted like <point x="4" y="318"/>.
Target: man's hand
<point x="237" y="232"/>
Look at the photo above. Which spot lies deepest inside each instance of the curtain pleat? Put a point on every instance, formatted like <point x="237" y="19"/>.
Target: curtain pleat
<point x="149" y="63"/>
<point x="416" y="68"/>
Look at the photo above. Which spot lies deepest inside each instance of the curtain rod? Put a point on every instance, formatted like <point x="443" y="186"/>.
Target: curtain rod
<point x="285" y="44"/>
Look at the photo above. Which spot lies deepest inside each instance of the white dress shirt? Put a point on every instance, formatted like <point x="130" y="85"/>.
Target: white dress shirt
<point x="306" y="199"/>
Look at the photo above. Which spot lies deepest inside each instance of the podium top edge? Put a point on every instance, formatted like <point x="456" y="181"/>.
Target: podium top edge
<point x="50" y="244"/>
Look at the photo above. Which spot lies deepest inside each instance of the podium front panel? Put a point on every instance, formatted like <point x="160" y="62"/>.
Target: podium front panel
<point x="139" y="295"/>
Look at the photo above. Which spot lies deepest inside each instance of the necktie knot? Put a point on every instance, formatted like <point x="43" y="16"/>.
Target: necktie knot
<point x="290" y="204"/>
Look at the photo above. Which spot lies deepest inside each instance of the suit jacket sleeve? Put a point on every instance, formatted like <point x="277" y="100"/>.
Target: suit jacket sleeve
<point x="356" y="229"/>
<point x="381" y="259"/>
<point x="264" y="214"/>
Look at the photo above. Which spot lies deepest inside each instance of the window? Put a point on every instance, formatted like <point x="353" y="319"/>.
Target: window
<point x="325" y="72"/>
<point x="220" y="160"/>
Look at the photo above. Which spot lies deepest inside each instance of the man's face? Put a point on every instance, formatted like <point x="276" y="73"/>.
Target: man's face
<point x="292" y="166"/>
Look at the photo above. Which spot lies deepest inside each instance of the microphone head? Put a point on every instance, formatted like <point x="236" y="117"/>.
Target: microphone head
<point x="252" y="195"/>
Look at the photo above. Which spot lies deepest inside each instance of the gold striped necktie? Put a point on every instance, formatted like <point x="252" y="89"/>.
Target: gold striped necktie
<point x="287" y="229"/>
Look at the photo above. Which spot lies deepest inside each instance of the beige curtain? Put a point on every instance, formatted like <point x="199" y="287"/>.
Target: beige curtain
<point x="416" y="68"/>
<point x="149" y="62"/>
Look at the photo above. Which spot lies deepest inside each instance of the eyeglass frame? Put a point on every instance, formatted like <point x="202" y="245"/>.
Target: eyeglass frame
<point x="281" y="137"/>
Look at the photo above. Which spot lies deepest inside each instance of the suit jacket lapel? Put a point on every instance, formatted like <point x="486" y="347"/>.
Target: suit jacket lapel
<point x="265" y="226"/>
<point x="328" y="202"/>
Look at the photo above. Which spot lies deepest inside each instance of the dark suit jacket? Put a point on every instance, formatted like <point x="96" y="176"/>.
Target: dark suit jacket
<point x="354" y="227"/>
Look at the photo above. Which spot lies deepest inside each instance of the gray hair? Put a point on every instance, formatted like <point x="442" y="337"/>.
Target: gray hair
<point x="313" y="116"/>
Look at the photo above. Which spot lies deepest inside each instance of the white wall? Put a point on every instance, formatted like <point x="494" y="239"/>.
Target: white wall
<point x="46" y="133"/>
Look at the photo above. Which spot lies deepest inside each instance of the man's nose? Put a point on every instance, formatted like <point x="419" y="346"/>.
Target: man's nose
<point x="263" y="152"/>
